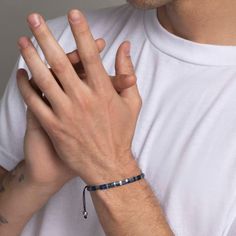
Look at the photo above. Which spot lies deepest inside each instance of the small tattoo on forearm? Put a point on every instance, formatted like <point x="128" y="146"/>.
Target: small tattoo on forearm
<point x="13" y="175"/>
<point x="21" y="178"/>
<point x="3" y="220"/>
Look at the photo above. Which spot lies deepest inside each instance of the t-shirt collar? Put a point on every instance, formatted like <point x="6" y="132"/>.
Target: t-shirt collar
<point x="186" y="50"/>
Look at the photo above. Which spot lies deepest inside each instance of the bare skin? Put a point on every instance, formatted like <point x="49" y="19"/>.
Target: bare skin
<point x="202" y="21"/>
<point x="148" y="4"/>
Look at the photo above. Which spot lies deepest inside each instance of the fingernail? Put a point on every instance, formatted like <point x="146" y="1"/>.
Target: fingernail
<point x="74" y="16"/>
<point x="127" y="49"/>
<point x="20" y="73"/>
<point x="23" y="42"/>
<point x="34" y="20"/>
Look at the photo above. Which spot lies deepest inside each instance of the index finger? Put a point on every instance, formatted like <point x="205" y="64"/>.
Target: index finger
<point x="87" y="48"/>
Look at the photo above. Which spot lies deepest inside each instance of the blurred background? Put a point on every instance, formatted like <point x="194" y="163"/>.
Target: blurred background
<point x="13" y="15"/>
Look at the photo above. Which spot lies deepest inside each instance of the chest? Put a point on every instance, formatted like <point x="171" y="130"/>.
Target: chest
<point x="185" y="143"/>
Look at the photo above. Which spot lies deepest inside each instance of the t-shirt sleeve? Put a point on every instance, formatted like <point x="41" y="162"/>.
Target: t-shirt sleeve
<point x="12" y="124"/>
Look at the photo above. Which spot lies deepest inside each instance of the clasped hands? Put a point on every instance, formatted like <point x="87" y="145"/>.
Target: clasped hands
<point x="86" y="124"/>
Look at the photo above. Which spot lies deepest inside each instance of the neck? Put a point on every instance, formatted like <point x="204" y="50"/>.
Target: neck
<point x="202" y="21"/>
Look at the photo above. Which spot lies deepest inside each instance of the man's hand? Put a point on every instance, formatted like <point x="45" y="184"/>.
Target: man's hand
<point x="47" y="169"/>
<point x="90" y="125"/>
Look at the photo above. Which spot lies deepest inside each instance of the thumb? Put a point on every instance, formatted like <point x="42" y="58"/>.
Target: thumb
<point x="122" y="82"/>
<point x="124" y="66"/>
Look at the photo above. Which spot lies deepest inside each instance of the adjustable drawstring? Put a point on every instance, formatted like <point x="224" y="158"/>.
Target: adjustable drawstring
<point x="85" y="213"/>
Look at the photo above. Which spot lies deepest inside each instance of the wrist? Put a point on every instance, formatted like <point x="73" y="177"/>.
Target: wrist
<point x="46" y="189"/>
<point x="39" y="194"/>
<point x="50" y="180"/>
<point x="125" y="167"/>
<point x="114" y="200"/>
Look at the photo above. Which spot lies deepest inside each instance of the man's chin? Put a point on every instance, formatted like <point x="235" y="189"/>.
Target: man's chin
<point x="148" y="4"/>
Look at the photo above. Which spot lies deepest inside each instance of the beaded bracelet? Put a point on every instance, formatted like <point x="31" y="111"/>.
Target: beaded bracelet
<point x="107" y="186"/>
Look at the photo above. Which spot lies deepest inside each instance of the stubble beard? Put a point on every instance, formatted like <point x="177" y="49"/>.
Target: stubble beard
<point x="148" y="4"/>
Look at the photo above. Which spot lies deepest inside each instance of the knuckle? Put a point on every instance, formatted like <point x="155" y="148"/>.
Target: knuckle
<point x="42" y="31"/>
<point x="45" y="84"/>
<point x="59" y="65"/>
<point x="30" y="53"/>
<point x="55" y="128"/>
<point x="102" y="89"/>
<point x="84" y="101"/>
<point x="84" y="104"/>
<point x="84" y="28"/>
<point x="29" y="99"/>
<point x="66" y="106"/>
<point x="90" y="58"/>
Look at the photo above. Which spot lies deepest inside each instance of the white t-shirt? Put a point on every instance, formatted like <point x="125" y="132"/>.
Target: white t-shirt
<point x="185" y="139"/>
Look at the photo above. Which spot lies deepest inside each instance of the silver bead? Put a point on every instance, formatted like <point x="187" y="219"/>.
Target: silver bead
<point x="85" y="213"/>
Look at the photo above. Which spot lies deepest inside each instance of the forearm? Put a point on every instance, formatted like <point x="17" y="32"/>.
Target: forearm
<point x="19" y="200"/>
<point x="131" y="209"/>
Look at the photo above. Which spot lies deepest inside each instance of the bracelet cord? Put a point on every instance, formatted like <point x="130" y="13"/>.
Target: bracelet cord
<point x="107" y="186"/>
